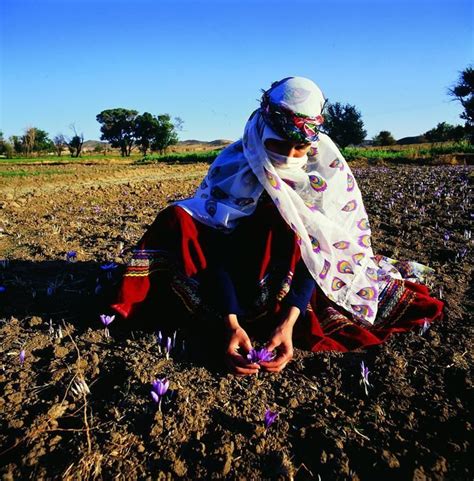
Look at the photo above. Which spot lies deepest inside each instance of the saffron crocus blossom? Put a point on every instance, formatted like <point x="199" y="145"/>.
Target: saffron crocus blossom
<point x="22" y="356"/>
<point x="168" y="347"/>
<point x="160" y="388"/>
<point x="270" y="418"/>
<point x="364" y="371"/>
<point x="424" y="327"/>
<point x="258" y="356"/>
<point x="108" y="268"/>
<point x="71" y="256"/>
<point x="106" y="320"/>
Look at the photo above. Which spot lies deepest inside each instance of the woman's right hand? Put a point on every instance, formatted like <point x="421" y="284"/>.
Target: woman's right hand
<point x="238" y="340"/>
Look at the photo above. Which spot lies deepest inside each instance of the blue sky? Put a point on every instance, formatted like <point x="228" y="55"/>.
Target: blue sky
<point x="64" y="61"/>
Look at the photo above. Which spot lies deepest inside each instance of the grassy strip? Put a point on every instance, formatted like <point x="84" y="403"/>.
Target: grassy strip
<point x="32" y="173"/>
<point x="184" y="158"/>
<point x="411" y="152"/>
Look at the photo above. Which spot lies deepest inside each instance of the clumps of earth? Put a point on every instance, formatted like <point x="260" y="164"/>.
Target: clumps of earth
<point x="78" y="405"/>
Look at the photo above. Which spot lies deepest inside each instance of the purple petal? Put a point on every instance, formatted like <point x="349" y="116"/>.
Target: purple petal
<point x="155" y="396"/>
<point x="270" y="418"/>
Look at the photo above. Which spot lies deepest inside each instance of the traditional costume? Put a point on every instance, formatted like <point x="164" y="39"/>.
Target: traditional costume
<point x="265" y="231"/>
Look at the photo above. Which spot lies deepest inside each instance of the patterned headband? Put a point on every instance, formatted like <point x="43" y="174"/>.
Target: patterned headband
<point x="289" y="124"/>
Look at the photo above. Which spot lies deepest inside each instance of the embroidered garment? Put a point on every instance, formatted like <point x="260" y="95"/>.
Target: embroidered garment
<point x="171" y="260"/>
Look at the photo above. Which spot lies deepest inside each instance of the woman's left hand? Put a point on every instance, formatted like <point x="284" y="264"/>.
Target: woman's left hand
<point x="281" y="340"/>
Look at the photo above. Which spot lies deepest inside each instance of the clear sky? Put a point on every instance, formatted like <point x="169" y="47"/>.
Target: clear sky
<point x="64" y="61"/>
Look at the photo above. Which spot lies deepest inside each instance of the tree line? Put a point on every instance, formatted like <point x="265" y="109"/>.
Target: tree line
<point x="120" y="128"/>
<point x="126" y="128"/>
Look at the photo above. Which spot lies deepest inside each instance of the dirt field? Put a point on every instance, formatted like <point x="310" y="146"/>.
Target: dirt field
<point x="415" y="424"/>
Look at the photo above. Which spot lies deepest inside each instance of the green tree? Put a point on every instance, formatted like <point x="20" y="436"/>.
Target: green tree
<point x="444" y="132"/>
<point x="463" y="91"/>
<point x="118" y="128"/>
<point x="166" y="134"/>
<point x="147" y="128"/>
<point x="384" y="137"/>
<point x="18" y="144"/>
<point x="343" y="123"/>
<point x="6" y="148"/>
<point x="42" y="142"/>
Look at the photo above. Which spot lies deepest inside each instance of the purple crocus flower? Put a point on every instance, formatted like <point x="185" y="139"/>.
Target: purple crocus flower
<point x="22" y="356"/>
<point x="424" y="327"/>
<point x="168" y="347"/>
<point x="160" y="388"/>
<point x="364" y="371"/>
<point x="258" y="356"/>
<point x="108" y="268"/>
<point x="270" y="418"/>
<point x="106" y="320"/>
<point x="2" y="289"/>
<point x="71" y="256"/>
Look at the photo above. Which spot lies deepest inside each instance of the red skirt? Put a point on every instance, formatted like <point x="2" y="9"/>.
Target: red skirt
<point x="164" y="275"/>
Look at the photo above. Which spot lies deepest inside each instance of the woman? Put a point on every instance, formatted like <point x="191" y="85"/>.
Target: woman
<point x="277" y="238"/>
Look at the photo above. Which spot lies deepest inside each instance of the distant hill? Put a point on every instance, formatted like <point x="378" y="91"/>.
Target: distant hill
<point x="417" y="139"/>
<point x="182" y="146"/>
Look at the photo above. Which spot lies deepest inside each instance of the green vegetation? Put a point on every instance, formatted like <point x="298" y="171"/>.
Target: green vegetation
<point x="32" y="173"/>
<point x="422" y="151"/>
<point x="184" y="158"/>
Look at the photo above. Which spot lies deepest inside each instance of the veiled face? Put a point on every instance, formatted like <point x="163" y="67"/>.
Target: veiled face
<point x="287" y="147"/>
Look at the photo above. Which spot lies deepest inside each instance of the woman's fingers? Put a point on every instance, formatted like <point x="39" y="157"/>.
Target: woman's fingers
<point x="279" y="362"/>
<point x="238" y="364"/>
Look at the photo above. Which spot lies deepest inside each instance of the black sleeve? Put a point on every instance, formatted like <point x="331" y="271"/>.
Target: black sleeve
<point x="302" y="287"/>
<point x="218" y="288"/>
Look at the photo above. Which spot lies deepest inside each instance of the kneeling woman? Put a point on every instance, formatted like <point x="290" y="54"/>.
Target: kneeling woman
<point x="277" y="240"/>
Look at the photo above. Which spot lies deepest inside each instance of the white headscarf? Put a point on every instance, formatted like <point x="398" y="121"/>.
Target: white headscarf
<point x="317" y="195"/>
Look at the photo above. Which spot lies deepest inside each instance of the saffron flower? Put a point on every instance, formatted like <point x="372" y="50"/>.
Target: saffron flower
<point x="168" y="347"/>
<point x="106" y="320"/>
<point x="270" y="418"/>
<point x="22" y="357"/>
<point x="424" y="327"/>
<point x="71" y="256"/>
<point x="159" y="389"/>
<point x="364" y="371"/>
<point x="108" y="269"/>
<point x="258" y="356"/>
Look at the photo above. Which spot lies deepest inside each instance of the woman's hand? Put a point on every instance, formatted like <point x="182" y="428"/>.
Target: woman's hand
<point x="282" y="340"/>
<point x="237" y="339"/>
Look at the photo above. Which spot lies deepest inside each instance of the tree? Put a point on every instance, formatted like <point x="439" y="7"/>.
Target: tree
<point x="147" y="128"/>
<point x="75" y="143"/>
<point x="166" y="134"/>
<point x="29" y="140"/>
<point x="343" y="123"/>
<point x="444" y="132"/>
<point x="18" y="144"/>
<point x="42" y="142"/>
<point x="463" y="91"/>
<point x="384" y="137"/>
<point x="60" y="144"/>
<point x="6" y="148"/>
<point x="118" y="128"/>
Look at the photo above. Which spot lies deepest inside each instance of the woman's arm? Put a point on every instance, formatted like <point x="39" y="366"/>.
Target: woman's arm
<point x="294" y="303"/>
